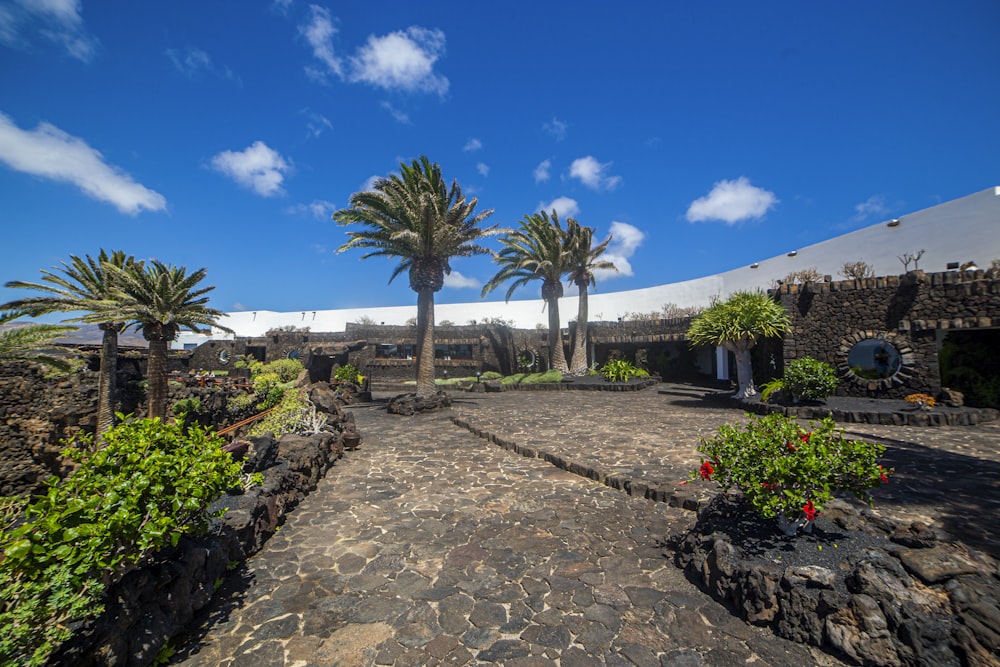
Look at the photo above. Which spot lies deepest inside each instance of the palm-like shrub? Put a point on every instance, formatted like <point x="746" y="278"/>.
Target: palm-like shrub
<point x="26" y="343"/>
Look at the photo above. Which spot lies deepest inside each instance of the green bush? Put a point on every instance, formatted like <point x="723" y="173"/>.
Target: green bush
<point x="347" y="373"/>
<point x="268" y="389"/>
<point x="621" y="370"/>
<point x="810" y="379"/>
<point x="149" y="485"/>
<point x="768" y="389"/>
<point x="782" y="469"/>
<point x="240" y="403"/>
<point x="491" y="375"/>
<point x="533" y="378"/>
<point x="184" y="408"/>
<point x="286" y="369"/>
<point x="288" y="416"/>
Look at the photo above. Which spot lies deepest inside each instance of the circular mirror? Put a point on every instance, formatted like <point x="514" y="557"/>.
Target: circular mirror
<point x="873" y="359"/>
<point x="294" y="354"/>
<point x="224" y="356"/>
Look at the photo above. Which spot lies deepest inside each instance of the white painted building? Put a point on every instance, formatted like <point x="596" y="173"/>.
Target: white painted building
<point x="959" y="231"/>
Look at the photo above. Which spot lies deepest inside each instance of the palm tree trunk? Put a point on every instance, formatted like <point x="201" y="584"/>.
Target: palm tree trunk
<point x="557" y="356"/>
<point x="107" y="380"/>
<point x="425" y="344"/>
<point x="578" y="364"/>
<point x="156" y="378"/>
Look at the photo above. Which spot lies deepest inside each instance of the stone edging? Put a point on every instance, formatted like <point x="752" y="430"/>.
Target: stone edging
<point x="630" y="485"/>
<point x="962" y="417"/>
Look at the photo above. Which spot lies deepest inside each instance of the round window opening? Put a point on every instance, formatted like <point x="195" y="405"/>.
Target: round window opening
<point x="873" y="359"/>
<point x="224" y="357"/>
<point x="294" y="354"/>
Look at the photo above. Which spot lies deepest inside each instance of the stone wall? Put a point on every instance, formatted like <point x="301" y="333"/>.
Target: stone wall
<point x="908" y="311"/>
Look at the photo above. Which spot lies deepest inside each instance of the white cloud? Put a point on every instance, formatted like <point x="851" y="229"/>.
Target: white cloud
<point x="191" y="61"/>
<point x="281" y="6"/>
<point x="50" y="153"/>
<point x="458" y="281"/>
<point x="625" y="240"/>
<point x="400" y="116"/>
<point x="259" y="168"/>
<point x="239" y="306"/>
<point x="472" y="145"/>
<point x="58" y="21"/>
<point x="732" y="202"/>
<point x="319" y="32"/>
<point x="556" y="128"/>
<point x="369" y="184"/>
<point x="316" y="123"/>
<point x="402" y="60"/>
<point x="318" y="208"/>
<point x="564" y="206"/>
<point x="593" y="174"/>
<point x="873" y="206"/>
<point x="483" y="168"/>
<point x="542" y="171"/>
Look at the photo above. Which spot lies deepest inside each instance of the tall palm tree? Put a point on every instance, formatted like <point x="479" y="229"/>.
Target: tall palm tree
<point x="24" y="343"/>
<point x="85" y="285"/>
<point x="160" y="300"/>
<point x="736" y="324"/>
<point x="537" y="251"/>
<point x="584" y="259"/>
<point x="417" y="218"/>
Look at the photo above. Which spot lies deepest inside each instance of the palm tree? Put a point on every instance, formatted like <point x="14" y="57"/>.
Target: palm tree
<point x="583" y="261"/>
<point x="537" y="251"/>
<point x="736" y="324"/>
<point x="160" y="300"/>
<point x="417" y="218"/>
<point x="85" y="284"/>
<point x="23" y="343"/>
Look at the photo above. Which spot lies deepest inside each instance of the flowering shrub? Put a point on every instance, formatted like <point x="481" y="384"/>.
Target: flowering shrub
<point x="922" y="401"/>
<point x="788" y="472"/>
<point x="810" y="379"/>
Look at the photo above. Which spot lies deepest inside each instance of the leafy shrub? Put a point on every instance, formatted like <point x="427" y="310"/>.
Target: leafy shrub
<point x="782" y="469"/>
<point x="621" y="370"/>
<point x="922" y="401"/>
<point x="184" y="408"/>
<point x="286" y="369"/>
<point x="810" y="379"/>
<point x="490" y="375"/>
<point x="150" y="484"/>
<point x="533" y="378"/>
<point x="240" y="403"/>
<point x="288" y="416"/>
<point x="768" y="389"/>
<point x="347" y="373"/>
<point x="268" y="389"/>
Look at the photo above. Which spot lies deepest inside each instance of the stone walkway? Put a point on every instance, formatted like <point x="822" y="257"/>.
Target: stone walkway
<point x="430" y="546"/>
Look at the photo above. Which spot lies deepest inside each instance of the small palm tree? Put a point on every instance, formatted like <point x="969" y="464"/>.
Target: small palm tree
<point x="736" y="324"/>
<point x="160" y="300"/>
<point x="418" y="219"/>
<point x="584" y="259"/>
<point x="537" y="250"/>
<point x="85" y="285"/>
<point x="27" y="342"/>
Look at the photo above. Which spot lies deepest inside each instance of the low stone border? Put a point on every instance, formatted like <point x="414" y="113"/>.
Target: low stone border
<point x="688" y="500"/>
<point x="584" y="386"/>
<point x="159" y="600"/>
<point x="937" y="417"/>
<point x="902" y="595"/>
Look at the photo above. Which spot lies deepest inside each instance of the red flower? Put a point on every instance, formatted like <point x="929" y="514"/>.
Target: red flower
<point x="810" y="511"/>
<point x="791" y="447"/>
<point x="707" y="470"/>
<point x="882" y="476"/>
<point x="806" y="436"/>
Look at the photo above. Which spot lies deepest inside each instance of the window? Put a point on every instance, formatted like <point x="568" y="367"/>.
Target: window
<point x="874" y="359"/>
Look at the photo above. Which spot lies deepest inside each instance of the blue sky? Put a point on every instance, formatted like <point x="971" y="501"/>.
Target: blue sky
<point x="703" y="136"/>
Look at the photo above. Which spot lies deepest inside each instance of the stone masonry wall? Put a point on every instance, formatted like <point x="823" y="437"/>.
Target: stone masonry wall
<point x="907" y="311"/>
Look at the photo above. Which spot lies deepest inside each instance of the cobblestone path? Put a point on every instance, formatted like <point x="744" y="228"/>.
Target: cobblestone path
<point x="428" y="546"/>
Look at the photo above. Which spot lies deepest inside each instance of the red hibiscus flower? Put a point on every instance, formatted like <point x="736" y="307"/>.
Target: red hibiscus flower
<point x="791" y="447"/>
<point x="882" y="476"/>
<point x="707" y="470"/>
<point x="810" y="511"/>
<point x="806" y="436"/>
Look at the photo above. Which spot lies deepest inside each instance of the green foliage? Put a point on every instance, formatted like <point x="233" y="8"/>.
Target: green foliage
<point x="621" y="370"/>
<point x="534" y="378"/>
<point x="287" y="370"/>
<point x="149" y="485"/>
<point x="969" y="363"/>
<point x="288" y="416"/>
<point x="28" y="342"/>
<point x="781" y="468"/>
<point x="490" y="375"/>
<point x="347" y="373"/>
<point x="810" y="379"/>
<point x="776" y="385"/>
<point x="268" y="389"/>
<point x="744" y="316"/>
<point x="240" y="403"/>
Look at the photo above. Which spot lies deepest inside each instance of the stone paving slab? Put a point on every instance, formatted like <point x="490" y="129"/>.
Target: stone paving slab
<point x="428" y="546"/>
<point x="646" y="443"/>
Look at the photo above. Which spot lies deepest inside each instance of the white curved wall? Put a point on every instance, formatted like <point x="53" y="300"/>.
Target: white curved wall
<point x="961" y="230"/>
